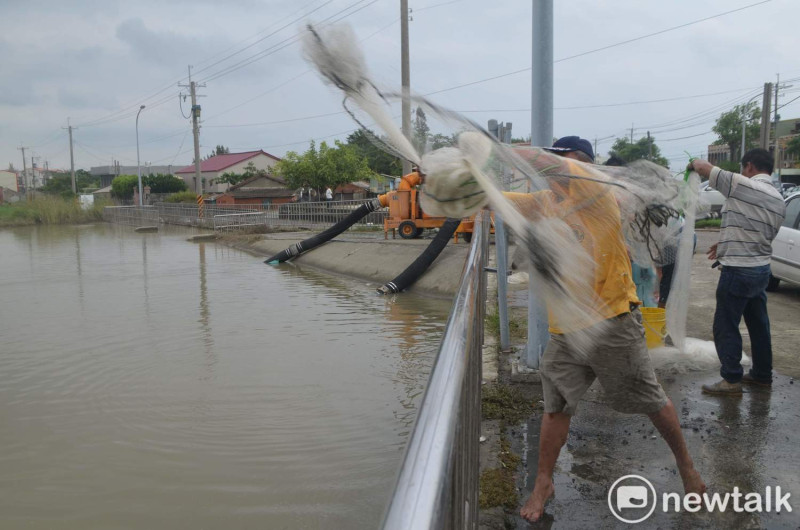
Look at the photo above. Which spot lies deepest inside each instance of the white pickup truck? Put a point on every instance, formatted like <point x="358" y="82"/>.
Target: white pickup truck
<point x="786" y="247"/>
<point x="710" y="201"/>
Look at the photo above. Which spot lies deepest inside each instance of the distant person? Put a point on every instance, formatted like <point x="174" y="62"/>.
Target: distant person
<point x="668" y="260"/>
<point x="644" y="277"/>
<point x="752" y="214"/>
<point x="329" y="194"/>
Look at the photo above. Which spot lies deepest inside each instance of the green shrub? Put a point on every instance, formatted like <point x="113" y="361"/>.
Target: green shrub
<point x="707" y="223"/>
<point x="122" y="187"/>
<point x="182" y="196"/>
<point x="164" y="183"/>
<point x="49" y="210"/>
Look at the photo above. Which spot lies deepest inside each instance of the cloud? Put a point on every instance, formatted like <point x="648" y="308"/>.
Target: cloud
<point x="166" y="48"/>
<point x="73" y="99"/>
<point x="17" y="92"/>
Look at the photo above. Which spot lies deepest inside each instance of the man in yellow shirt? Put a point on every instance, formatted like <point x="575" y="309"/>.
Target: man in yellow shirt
<point x="617" y="353"/>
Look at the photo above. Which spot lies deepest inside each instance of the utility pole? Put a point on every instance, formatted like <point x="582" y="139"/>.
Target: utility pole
<point x="71" y="158"/>
<point x="649" y="147"/>
<point x="777" y="89"/>
<point x="192" y="86"/>
<point x="24" y="168"/>
<point x="765" y="113"/>
<point x="405" y="75"/>
<point x="33" y="172"/>
<point x="631" y="133"/>
<point x="541" y="135"/>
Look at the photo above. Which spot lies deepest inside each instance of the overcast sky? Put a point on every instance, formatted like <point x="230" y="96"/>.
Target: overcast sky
<point x="96" y="61"/>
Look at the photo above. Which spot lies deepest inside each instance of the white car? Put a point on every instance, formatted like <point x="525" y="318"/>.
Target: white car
<point x="710" y="200"/>
<point x="786" y="247"/>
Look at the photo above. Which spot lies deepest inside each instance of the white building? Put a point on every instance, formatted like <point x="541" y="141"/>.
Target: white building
<point x="216" y="166"/>
<point x="8" y="180"/>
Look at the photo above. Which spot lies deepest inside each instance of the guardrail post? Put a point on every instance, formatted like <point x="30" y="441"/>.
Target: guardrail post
<point x="501" y="250"/>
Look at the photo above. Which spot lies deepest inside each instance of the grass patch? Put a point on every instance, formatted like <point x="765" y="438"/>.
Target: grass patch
<point x="497" y="486"/>
<point x="708" y="223"/>
<point x="517" y="328"/>
<point x="49" y="210"/>
<point x="504" y="402"/>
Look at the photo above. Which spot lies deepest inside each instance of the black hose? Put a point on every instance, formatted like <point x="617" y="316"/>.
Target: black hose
<point x="423" y="261"/>
<point x="323" y="237"/>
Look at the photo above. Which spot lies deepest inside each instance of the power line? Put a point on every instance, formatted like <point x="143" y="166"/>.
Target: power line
<point x="793" y="99"/>
<point x="436" y="5"/>
<point x="198" y="63"/>
<point x="599" y="49"/>
<point x="662" y="31"/>
<point x="293" y="22"/>
<point x="276" y="87"/>
<point x="285" y="42"/>
<point x="276" y="122"/>
<point x="289" y="120"/>
<point x="114" y="116"/>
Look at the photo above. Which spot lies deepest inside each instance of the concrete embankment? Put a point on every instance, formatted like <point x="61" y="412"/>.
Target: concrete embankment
<point x="366" y="256"/>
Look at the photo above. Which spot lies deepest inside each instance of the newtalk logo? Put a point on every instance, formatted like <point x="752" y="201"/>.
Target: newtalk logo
<point x="632" y="499"/>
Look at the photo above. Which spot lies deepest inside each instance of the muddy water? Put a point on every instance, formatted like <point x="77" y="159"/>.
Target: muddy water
<point x="147" y="382"/>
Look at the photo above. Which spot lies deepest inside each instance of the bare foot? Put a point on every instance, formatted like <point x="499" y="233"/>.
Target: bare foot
<point x="543" y="491"/>
<point x="692" y="482"/>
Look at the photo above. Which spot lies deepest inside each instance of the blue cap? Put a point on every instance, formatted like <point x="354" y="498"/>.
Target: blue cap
<point x="566" y="144"/>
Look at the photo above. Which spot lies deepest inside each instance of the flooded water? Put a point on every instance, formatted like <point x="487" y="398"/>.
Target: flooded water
<point x="148" y="382"/>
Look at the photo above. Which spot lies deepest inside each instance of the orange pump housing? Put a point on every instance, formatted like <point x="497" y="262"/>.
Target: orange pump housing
<point x="406" y="216"/>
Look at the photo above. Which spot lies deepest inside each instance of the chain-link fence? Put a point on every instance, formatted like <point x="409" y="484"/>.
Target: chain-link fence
<point x="311" y="215"/>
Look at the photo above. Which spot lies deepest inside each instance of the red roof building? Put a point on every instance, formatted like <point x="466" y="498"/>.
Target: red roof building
<point x="213" y="168"/>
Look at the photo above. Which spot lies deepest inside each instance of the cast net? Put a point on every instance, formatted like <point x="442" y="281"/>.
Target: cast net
<point x="579" y="224"/>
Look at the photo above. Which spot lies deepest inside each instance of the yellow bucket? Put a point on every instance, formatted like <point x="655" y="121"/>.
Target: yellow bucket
<point x="654" y="320"/>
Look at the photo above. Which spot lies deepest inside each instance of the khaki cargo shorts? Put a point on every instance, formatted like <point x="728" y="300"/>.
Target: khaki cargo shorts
<point x="618" y="359"/>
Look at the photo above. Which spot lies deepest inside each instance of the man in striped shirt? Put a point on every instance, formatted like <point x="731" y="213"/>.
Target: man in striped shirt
<point x="751" y="217"/>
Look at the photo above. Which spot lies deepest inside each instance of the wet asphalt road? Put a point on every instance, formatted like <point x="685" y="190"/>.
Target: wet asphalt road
<point x="749" y="442"/>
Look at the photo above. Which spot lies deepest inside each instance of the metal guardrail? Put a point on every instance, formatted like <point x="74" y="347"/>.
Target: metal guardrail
<point x="237" y="221"/>
<point x="437" y="487"/>
<point x="290" y="215"/>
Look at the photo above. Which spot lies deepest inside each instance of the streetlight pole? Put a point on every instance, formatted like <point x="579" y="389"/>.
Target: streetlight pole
<point x="138" y="166"/>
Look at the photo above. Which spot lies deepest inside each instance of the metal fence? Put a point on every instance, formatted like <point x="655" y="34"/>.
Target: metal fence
<point x="437" y="487"/>
<point x="311" y="215"/>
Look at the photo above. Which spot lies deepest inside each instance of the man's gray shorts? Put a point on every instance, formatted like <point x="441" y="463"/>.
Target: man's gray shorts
<point x="618" y="358"/>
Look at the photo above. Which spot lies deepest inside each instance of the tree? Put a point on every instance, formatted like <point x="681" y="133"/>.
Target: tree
<point x="793" y="147"/>
<point x="62" y="184"/>
<point x="219" y="150"/>
<point x="377" y="159"/>
<point x="326" y="166"/>
<point x="421" y="130"/>
<point x="249" y="171"/>
<point x="728" y="128"/>
<point x="161" y="183"/>
<point x="438" y="140"/>
<point x="644" y="148"/>
<point x="122" y="187"/>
